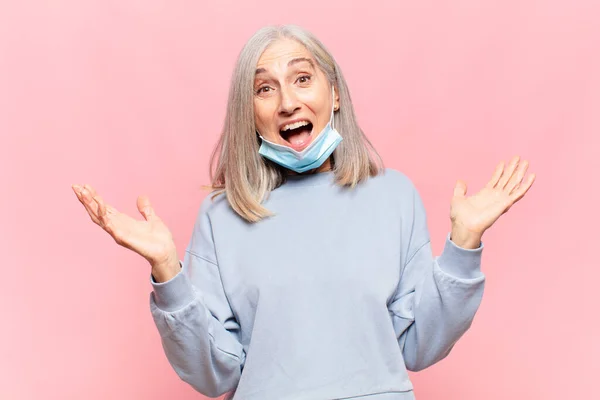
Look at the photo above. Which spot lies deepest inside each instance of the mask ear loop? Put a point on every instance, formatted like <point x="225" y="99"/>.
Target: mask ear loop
<point x="332" y="107"/>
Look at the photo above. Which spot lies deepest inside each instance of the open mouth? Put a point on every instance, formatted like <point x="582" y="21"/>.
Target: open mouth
<point x="297" y="134"/>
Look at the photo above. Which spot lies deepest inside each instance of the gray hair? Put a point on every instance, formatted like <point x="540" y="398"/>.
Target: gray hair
<point x="239" y="171"/>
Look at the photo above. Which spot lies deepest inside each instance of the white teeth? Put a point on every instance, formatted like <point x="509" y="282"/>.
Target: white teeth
<point x="295" y="125"/>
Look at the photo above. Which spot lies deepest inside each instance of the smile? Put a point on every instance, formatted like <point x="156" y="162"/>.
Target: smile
<point x="297" y="134"/>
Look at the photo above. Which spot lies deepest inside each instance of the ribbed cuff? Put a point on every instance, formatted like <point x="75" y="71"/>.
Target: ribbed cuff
<point x="173" y="294"/>
<point x="459" y="262"/>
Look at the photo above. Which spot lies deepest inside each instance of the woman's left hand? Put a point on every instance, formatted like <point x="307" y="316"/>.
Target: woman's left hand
<point x="472" y="215"/>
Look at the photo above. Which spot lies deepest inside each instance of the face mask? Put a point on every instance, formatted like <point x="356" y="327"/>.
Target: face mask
<point x="311" y="157"/>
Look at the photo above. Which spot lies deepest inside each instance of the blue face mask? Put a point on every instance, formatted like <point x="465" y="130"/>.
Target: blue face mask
<point x="311" y="157"/>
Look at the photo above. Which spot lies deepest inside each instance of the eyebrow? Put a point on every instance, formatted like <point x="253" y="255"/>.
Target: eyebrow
<point x="290" y="63"/>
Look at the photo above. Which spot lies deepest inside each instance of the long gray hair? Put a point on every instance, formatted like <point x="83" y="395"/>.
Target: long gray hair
<point x="238" y="170"/>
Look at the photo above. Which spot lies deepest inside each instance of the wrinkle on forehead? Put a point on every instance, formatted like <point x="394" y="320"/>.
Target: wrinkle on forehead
<point x="291" y="63"/>
<point x="281" y="52"/>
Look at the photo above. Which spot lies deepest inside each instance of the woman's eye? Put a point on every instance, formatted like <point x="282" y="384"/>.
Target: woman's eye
<point x="263" y="89"/>
<point x="304" y="79"/>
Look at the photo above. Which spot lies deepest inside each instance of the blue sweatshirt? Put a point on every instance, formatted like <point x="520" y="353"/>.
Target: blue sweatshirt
<point x="335" y="297"/>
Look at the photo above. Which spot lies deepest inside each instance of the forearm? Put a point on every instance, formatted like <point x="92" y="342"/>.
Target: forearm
<point x="444" y="305"/>
<point x="198" y="346"/>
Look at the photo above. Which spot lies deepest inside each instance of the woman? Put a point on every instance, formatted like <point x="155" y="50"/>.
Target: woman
<point x="309" y="274"/>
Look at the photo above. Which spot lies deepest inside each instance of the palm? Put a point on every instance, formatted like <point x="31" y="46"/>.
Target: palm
<point x="149" y="237"/>
<point x="478" y="212"/>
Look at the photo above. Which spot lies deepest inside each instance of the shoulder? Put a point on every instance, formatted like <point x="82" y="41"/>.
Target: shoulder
<point x="405" y="195"/>
<point x="394" y="182"/>
<point x="214" y="204"/>
<point x="213" y="210"/>
<point x="392" y="190"/>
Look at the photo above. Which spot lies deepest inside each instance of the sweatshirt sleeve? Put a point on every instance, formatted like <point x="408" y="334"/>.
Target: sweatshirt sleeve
<point x="199" y="332"/>
<point x="437" y="297"/>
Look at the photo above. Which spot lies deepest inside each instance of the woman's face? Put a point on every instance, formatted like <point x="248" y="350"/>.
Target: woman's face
<point x="293" y="99"/>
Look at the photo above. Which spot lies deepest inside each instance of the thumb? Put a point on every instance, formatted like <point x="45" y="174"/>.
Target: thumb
<point x="144" y="207"/>
<point x="460" y="190"/>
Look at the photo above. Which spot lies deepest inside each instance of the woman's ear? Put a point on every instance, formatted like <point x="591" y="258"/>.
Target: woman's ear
<point x="336" y="105"/>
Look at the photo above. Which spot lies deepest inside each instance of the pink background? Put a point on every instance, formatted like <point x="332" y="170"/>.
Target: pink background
<point x="129" y="96"/>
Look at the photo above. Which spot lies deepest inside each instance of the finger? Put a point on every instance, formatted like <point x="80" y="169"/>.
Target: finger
<point x="104" y="211"/>
<point x="108" y="209"/>
<point x="90" y="206"/>
<point x="103" y="216"/>
<point x="520" y="191"/>
<point x="512" y="166"/>
<point x="145" y="208"/>
<point x="78" y="189"/>
<point x="101" y="207"/>
<point x="460" y="189"/>
<point x="517" y="177"/>
<point x="497" y="174"/>
<point x="90" y="189"/>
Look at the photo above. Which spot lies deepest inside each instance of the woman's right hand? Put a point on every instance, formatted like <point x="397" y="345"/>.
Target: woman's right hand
<point x="150" y="237"/>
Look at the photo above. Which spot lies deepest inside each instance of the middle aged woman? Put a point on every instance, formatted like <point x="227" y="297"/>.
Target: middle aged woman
<point x="309" y="274"/>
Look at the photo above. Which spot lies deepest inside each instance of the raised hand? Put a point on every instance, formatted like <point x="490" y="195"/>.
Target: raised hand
<point x="472" y="216"/>
<point x="150" y="237"/>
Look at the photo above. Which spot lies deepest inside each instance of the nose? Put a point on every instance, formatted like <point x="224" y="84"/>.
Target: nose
<point x="289" y="102"/>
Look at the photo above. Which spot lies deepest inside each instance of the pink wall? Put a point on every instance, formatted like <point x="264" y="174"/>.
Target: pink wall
<point x="129" y="96"/>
